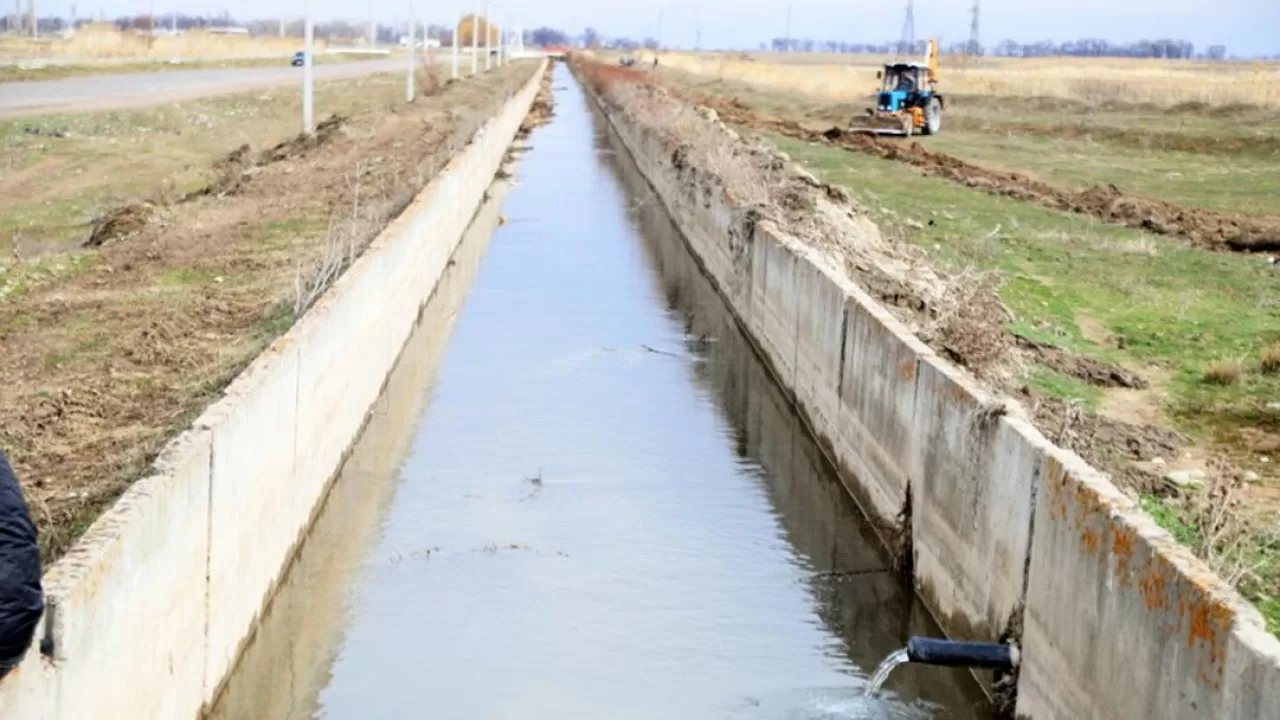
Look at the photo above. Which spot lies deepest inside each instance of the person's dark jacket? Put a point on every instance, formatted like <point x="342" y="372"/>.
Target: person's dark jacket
<point x="21" y="597"/>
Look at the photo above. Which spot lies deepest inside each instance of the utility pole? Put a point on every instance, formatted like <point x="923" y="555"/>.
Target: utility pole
<point x="698" y="42"/>
<point x="308" y="48"/>
<point x="659" y="28"/>
<point x="488" y="40"/>
<point x="908" y="42"/>
<point x="281" y="26"/>
<point x="457" y="25"/>
<point x="373" y="29"/>
<point x="73" y="17"/>
<point x="975" y="44"/>
<point x="31" y="18"/>
<point x="409" y="89"/>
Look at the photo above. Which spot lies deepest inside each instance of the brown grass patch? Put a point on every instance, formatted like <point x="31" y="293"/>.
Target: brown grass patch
<point x="1224" y="372"/>
<point x="1269" y="360"/>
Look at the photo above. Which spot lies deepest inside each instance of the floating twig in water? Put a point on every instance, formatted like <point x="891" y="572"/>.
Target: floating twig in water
<point x="844" y="574"/>
<point x="661" y="352"/>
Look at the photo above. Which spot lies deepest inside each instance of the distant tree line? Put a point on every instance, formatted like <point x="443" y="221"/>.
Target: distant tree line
<point x="1087" y="47"/>
<point x="590" y="37"/>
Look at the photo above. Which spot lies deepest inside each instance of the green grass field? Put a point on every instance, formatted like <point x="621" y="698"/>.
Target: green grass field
<point x="1167" y="306"/>
<point x="1225" y="159"/>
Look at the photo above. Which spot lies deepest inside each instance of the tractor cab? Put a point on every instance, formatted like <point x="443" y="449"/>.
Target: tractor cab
<point x="901" y="83"/>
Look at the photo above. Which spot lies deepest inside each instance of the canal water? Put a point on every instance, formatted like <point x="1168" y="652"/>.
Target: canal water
<point x="582" y="496"/>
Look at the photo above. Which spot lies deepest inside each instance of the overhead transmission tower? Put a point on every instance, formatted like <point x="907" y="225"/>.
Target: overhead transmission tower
<point x="908" y="42"/>
<point x="975" y="43"/>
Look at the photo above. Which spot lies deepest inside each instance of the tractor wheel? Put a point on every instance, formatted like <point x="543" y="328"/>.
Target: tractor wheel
<point x="933" y="117"/>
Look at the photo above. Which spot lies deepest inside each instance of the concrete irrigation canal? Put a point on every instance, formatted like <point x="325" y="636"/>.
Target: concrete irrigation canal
<point x="616" y="420"/>
<point x="581" y="496"/>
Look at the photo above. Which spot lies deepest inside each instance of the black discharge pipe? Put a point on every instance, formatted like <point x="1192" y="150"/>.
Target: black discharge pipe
<point x="934" y="651"/>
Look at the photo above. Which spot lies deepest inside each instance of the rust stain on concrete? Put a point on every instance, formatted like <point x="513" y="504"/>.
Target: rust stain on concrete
<point x="1153" y="586"/>
<point x="907" y="370"/>
<point x="1055" y="483"/>
<point x="1122" y="550"/>
<point x="1090" y="540"/>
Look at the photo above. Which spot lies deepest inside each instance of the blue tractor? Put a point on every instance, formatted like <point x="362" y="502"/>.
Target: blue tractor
<point x="908" y="101"/>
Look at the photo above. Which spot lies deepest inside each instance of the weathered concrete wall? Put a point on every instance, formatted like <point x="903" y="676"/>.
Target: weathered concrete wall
<point x="148" y="613"/>
<point x="305" y="620"/>
<point x="1119" y="621"/>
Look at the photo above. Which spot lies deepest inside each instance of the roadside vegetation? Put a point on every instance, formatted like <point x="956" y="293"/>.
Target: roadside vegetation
<point x="1199" y="327"/>
<point x="151" y="254"/>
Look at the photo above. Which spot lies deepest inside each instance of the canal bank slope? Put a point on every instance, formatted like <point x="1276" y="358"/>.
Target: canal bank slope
<point x="148" y="612"/>
<point x="1006" y="536"/>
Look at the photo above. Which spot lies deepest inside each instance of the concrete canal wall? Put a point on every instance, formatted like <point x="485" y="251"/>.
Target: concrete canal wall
<point x="1008" y="534"/>
<point x="148" y="613"/>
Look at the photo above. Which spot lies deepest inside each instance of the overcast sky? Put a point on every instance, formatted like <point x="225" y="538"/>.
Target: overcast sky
<point x="1246" y="27"/>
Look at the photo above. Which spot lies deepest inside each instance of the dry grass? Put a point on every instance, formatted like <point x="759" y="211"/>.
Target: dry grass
<point x="1094" y="80"/>
<point x="1224" y="372"/>
<point x="1269" y="359"/>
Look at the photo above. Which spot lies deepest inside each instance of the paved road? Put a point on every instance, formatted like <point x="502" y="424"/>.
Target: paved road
<point x="104" y="92"/>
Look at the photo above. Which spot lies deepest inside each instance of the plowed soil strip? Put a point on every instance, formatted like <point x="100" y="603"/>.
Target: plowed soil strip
<point x="1204" y="228"/>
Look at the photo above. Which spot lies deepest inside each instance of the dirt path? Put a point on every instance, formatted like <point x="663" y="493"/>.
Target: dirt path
<point x="1205" y="228"/>
<point x="105" y="365"/>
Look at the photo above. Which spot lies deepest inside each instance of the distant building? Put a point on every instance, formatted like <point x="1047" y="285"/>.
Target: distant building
<point x="429" y="42"/>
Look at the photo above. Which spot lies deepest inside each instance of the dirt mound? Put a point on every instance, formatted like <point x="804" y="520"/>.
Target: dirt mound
<point x="302" y="144"/>
<point x="233" y="170"/>
<point x="231" y="174"/>
<point x="1094" y="372"/>
<point x="120" y="224"/>
<point x="1205" y="228"/>
<point x="1109" y="445"/>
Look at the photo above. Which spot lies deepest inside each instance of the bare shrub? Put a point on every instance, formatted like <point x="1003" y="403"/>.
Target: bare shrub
<point x="1224" y="372"/>
<point x="348" y="236"/>
<point x="429" y="77"/>
<point x="1269" y="360"/>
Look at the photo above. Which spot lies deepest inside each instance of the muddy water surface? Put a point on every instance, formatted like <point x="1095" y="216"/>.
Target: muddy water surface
<point x="581" y="496"/>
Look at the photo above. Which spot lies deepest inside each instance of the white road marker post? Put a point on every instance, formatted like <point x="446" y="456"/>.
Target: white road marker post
<point x="475" y="38"/>
<point x="457" y="24"/>
<point x="488" y="40"/>
<point x="308" y="48"/>
<point x="409" y="89"/>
